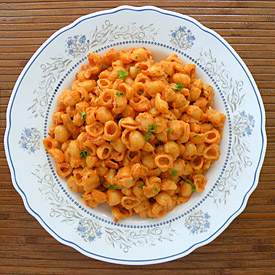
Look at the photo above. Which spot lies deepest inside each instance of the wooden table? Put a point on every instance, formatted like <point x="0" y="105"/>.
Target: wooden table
<point x="247" y="246"/>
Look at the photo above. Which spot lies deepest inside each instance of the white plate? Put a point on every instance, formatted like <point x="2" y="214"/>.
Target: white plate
<point x="231" y="180"/>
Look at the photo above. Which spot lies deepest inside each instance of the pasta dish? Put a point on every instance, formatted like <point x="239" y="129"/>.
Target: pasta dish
<point x="134" y="133"/>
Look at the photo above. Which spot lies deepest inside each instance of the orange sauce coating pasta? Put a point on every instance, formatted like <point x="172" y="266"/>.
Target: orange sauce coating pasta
<point x="134" y="133"/>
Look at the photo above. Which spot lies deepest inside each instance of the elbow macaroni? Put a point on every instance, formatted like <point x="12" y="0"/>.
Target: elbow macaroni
<point x="134" y="133"/>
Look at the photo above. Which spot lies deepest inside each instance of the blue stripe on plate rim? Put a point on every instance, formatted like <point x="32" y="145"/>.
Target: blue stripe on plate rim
<point x="194" y="246"/>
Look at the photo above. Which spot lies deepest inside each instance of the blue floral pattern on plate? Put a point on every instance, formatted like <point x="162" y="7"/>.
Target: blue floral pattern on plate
<point x="77" y="45"/>
<point x="30" y="140"/>
<point x="197" y="222"/>
<point x="88" y="230"/>
<point x="244" y="124"/>
<point x="182" y="38"/>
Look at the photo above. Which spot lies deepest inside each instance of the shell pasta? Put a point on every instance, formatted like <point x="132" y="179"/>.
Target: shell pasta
<point x="136" y="134"/>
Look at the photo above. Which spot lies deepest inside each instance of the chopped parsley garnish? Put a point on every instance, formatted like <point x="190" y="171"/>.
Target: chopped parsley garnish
<point x="111" y="186"/>
<point x="155" y="191"/>
<point x="84" y="153"/>
<point x="83" y="115"/>
<point x="150" y="131"/>
<point x="170" y="130"/>
<point x="153" y="125"/>
<point x="139" y="68"/>
<point x="174" y="172"/>
<point x="179" y="87"/>
<point x="187" y="181"/>
<point x="119" y="94"/>
<point x="141" y="186"/>
<point x="122" y="74"/>
<point x="197" y="136"/>
<point x="190" y="183"/>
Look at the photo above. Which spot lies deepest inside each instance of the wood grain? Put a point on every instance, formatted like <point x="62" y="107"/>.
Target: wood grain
<point x="247" y="246"/>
